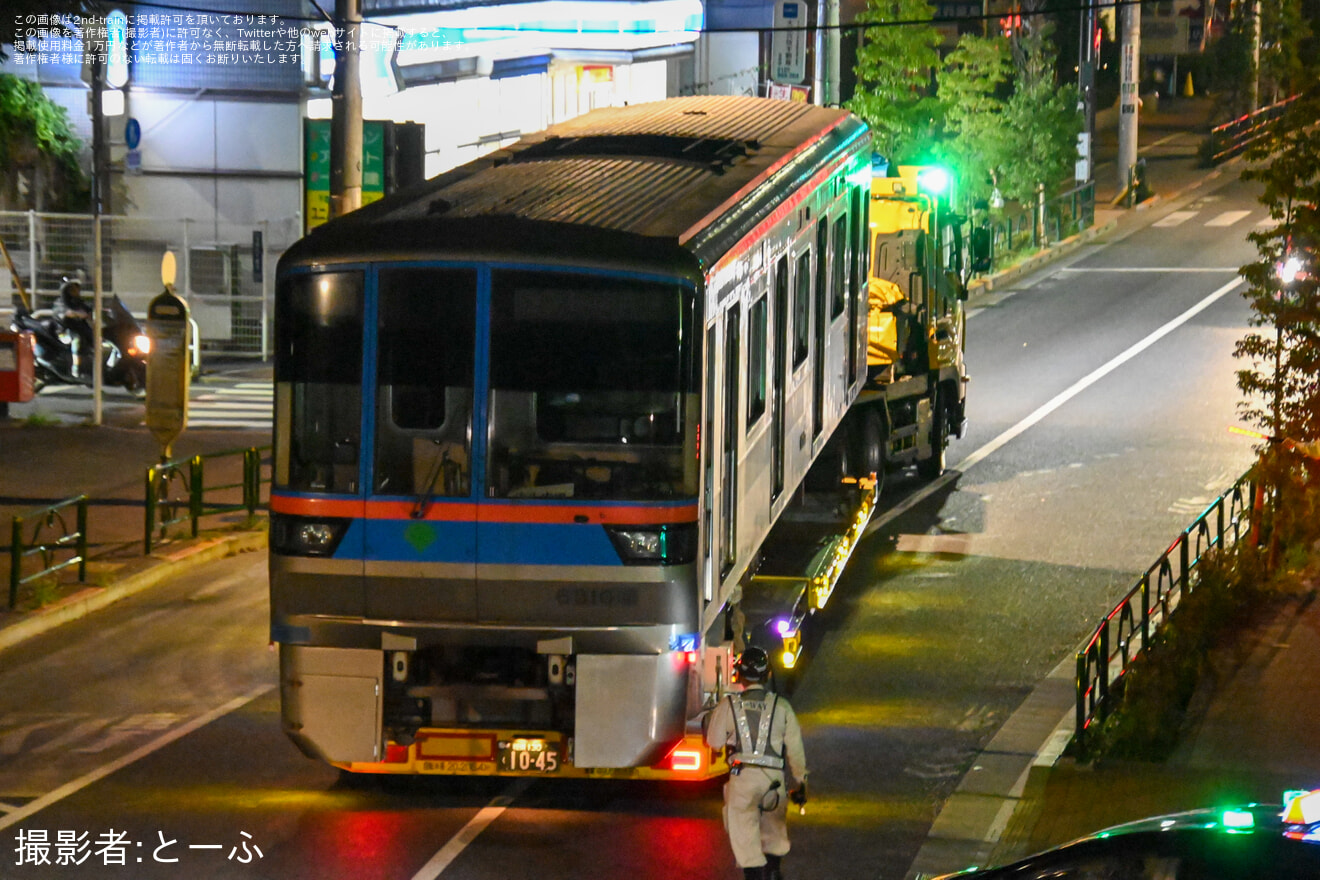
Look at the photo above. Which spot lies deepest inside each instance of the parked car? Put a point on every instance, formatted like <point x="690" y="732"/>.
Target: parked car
<point x="1248" y="842"/>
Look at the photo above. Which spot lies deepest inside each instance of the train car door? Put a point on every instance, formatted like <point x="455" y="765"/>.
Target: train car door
<point x="421" y="534"/>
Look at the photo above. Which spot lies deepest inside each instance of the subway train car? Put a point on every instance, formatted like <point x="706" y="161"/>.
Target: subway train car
<point x="534" y="420"/>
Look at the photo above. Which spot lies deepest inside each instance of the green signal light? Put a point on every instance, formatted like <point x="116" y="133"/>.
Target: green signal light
<point x="933" y="180"/>
<point x="1238" y="819"/>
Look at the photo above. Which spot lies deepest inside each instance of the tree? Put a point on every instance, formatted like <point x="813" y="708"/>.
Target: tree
<point x="894" y="88"/>
<point x="1283" y="31"/>
<point x="1231" y="66"/>
<point x="970" y="82"/>
<point x="37" y="147"/>
<point x="1282" y="384"/>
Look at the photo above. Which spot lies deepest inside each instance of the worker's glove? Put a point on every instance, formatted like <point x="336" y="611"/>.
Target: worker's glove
<point x="799" y="794"/>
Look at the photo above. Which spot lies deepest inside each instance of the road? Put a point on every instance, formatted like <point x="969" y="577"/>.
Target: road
<point x="1101" y="392"/>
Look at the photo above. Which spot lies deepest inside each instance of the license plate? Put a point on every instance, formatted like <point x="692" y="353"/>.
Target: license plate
<point x="530" y="755"/>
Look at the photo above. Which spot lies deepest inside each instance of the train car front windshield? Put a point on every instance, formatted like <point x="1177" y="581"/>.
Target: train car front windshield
<point x="592" y="385"/>
<point x="318" y="382"/>
<point x="592" y="388"/>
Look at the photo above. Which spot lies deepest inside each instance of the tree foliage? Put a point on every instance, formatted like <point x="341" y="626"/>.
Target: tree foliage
<point x="997" y="116"/>
<point x="1282" y="381"/>
<point x="1284" y="29"/>
<point x="971" y="83"/>
<point x="37" y="142"/>
<point x="894" y="89"/>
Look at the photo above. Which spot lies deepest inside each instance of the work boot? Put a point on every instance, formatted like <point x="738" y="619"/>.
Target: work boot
<point x="757" y="873"/>
<point x="772" y="867"/>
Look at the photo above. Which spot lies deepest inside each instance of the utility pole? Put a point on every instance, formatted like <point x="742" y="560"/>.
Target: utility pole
<point x="1086" y="64"/>
<point x="100" y="205"/>
<point x="1129" y="81"/>
<point x="346" y="112"/>
<point x="827" y="53"/>
<point x="1254" y="91"/>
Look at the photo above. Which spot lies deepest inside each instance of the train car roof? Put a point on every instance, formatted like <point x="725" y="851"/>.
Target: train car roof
<point x="670" y="185"/>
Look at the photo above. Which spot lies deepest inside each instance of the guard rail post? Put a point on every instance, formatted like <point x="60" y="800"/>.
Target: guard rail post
<point x="82" y="539"/>
<point x="251" y="480"/>
<point x="1079" y="723"/>
<point x="15" y="560"/>
<point x="1184" y="563"/>
<point x="195" y="500"/>
<point x="1145" y="610"/>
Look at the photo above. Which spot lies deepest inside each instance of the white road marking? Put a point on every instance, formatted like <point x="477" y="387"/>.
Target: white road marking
<point x="59" y="794"/>
<point x="1139" y="269"/>
<point x="1057" y="401"/>
<point x="1228" y="218"/>
<point x="1175" y="219"/>
<point x="77" y="732"/>
<point x="468" y="833"/>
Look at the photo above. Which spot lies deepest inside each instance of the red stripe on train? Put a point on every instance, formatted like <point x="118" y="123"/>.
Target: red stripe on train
<point x="466" y="511"/>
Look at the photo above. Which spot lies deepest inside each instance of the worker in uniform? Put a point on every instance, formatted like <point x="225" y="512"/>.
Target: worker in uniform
<point x="761" y="734"/>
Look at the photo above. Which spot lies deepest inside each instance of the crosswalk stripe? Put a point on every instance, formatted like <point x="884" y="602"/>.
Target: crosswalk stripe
<point x="1176" y="218"/>
<point x="1228" y="218"/>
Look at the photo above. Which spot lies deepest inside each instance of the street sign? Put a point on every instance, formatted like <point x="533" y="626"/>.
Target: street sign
<point x="788" y="45"/>
<point x="168" y="370"/>
<point x="132" y="133"/>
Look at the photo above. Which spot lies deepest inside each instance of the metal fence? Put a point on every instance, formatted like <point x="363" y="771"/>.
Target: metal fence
<point x="1052" y="219"/>
<point x="178" y="492"/>
<point x="225" y="271"/>
<point x="1231" y="138"/>
<point x="1127" y="630"/>
<point x="50" y="540"/>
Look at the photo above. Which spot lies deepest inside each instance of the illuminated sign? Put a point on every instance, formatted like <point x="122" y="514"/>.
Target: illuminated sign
<point x="116" y="48"/>
<point x="514" y="30"/>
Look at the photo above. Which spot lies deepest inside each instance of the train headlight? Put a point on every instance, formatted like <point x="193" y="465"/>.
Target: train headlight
<point x="300" y="536"/>
<point x="655" y="545"/>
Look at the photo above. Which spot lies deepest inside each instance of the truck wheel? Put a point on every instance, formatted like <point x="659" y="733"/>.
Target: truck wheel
<point x="870" y="455"/>
<point x="930" y="468"/>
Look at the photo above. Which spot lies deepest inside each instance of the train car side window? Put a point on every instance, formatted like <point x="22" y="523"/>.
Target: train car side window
<point x="757" y="357"/>
<point x="802" y="309"/>
<point x="318" y="381"/>
<point x="837" y="292"/>
<point x="781" y="377"/>
<point x="425" y="363"/>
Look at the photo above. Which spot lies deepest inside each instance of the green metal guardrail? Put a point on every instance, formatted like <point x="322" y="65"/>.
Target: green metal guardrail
<point x="177" y="491"/>
<point x="41" y="520"/>
<point x="1053" y="219"/>
<point x="1231" y="138"/>
<point x="1128" y="628"/>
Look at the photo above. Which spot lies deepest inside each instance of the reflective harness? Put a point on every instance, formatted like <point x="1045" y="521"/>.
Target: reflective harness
<point x="760" y="744"/>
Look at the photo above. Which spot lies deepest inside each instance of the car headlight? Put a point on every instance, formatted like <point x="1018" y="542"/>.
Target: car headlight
<point x="655" y="545"/>
<point x="302" y="536"/>
<point x="141" y="345"/>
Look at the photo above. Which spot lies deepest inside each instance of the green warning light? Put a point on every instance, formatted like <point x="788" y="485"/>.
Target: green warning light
<point x="1238" y="819"/>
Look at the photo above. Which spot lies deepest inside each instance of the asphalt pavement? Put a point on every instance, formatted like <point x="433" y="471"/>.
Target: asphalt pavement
<point x="1252" y="737"/>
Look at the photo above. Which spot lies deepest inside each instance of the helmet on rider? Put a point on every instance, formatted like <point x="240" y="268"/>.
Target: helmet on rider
<point x="753" y="666"/>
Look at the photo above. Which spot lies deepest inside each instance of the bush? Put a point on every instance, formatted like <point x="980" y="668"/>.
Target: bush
<point x="1154" y="696"/>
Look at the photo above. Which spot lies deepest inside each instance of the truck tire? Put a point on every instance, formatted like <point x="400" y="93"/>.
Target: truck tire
<point x="930" y="468"/>
<point x="870" y="448"/>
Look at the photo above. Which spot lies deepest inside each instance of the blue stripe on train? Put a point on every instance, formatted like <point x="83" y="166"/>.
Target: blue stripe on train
<point x="501" y="543"/>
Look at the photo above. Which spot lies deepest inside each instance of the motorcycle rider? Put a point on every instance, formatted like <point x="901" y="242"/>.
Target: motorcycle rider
<point x="75" y="314"/>
<point x="761" y="733"/>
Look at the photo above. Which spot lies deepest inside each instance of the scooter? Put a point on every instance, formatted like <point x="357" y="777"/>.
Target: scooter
<point x="124" y="348"/>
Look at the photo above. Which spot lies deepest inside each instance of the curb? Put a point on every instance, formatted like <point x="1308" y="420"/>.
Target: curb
<point x="162" y="565"/>
<point x="1011" y="771"/>
<point x="1052" y="252"/>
